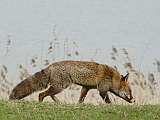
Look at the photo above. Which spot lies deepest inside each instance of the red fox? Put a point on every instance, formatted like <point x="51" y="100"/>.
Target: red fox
<point x="89" y="75"/>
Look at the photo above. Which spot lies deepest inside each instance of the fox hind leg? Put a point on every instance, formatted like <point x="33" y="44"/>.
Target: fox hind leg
<point x="83" y="94"/>
<point x="105" y="97"/>
<point x="52" y="91"/>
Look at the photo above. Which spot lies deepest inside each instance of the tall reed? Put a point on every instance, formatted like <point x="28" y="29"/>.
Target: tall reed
<point x="145" y="88"/>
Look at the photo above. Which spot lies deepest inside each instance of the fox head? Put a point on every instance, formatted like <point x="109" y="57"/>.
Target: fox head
<point x="124" y="90"/>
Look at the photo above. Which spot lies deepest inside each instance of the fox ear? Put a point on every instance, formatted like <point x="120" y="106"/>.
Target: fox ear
<point x="125" y="78"/>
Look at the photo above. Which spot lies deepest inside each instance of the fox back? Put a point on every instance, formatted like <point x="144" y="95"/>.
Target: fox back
<point x="79" y="72"/>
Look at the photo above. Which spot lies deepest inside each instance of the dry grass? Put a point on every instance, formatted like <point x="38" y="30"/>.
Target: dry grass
<point x="145" y="90"/>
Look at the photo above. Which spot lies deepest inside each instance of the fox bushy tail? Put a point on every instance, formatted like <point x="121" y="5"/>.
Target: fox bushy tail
<point x="36" y="82"/>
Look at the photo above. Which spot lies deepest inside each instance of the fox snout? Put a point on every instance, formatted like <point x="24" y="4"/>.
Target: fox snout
<point x="132" y="101"/>
<point x="129" y="98"/>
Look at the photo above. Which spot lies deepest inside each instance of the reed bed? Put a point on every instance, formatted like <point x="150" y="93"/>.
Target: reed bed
<point x="145" y="88"/>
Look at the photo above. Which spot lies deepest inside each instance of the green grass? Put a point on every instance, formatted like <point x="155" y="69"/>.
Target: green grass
<point x="24" y="110"/>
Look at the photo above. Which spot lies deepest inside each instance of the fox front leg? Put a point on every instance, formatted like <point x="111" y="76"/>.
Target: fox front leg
<point x="105" y="97"/>
<point x="83" y="94"/>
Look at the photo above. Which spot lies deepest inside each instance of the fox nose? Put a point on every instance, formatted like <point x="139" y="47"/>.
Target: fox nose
<point x="132" y="100"/>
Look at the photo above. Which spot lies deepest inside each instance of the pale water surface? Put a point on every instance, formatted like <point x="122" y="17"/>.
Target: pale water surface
<point x="93" y="24"/>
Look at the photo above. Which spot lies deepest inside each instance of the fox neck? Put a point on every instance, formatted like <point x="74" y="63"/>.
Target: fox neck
<point x="114" y="88"/>
<point x="116" y="92"/>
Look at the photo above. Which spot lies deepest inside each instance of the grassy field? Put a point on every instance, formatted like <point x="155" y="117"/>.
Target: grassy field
<point x="25" y="110"/>
<point x="144" y="86"/>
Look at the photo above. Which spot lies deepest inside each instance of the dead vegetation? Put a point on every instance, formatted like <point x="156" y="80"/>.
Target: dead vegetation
<point x="145" y="88"/>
